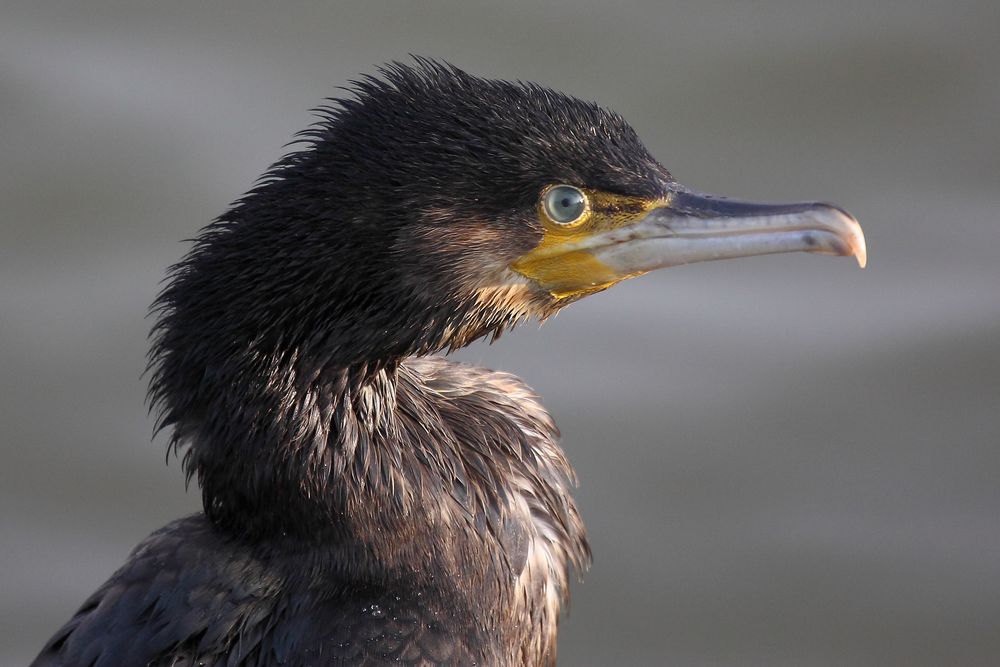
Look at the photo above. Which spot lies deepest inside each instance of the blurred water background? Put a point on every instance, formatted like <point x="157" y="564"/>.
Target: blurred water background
<point x="783" y="460"/>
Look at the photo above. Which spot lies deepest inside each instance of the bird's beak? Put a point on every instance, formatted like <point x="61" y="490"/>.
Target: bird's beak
<point x="688" y="227"/>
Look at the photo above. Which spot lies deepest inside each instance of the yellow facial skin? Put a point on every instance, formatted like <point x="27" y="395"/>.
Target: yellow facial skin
<point x="562" y="263"/>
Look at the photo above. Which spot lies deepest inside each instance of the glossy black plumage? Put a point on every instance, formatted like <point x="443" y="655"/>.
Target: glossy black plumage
<point x="363" y="505"/>
<point x="197" y="594"/>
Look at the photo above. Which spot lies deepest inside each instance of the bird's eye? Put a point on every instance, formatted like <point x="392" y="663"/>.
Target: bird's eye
<point x="564" y="204"/>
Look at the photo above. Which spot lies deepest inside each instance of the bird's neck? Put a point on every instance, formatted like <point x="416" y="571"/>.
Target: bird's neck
<point x="295" y="424"/>
<point x="414" y="473"/>
<point x="294" y="446"/>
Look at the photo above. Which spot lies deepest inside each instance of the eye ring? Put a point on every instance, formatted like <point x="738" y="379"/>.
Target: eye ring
<point x="565" y="205"/>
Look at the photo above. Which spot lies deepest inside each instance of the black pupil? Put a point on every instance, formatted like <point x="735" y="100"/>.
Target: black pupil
<point x="565" y="202"/>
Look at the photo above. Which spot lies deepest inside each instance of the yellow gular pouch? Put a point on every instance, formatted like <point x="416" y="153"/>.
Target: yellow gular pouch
<point x="563" y="262"/>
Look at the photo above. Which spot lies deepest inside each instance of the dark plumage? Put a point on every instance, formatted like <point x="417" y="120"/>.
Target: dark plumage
<point x="365" y="504"/>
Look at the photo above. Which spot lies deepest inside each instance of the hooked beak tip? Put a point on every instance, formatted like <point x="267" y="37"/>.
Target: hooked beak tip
<point x="853" y="235"/>
<point x="860" y="246"/>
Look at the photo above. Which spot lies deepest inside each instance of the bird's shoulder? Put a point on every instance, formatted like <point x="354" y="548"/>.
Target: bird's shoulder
<point x="188" y="595"/>
<point x="182" y="589"/>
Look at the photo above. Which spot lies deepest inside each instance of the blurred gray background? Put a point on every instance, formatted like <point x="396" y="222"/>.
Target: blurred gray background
<point x="783" y="460"/>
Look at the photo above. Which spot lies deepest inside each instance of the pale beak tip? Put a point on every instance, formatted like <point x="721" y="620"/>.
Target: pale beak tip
<point x="861" y="250"/>
<point x="850" y="232"/>
<point x="858" y="244"/>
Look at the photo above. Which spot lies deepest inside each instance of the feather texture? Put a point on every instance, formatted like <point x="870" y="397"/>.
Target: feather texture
<point x="364" y="503"/>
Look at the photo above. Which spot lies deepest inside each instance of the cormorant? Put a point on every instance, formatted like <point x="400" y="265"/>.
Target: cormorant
<point x="365" y="502"/>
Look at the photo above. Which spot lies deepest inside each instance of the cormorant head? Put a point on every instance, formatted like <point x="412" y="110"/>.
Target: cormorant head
<point x="425" y="210"/>
<point x="434" y="207"/>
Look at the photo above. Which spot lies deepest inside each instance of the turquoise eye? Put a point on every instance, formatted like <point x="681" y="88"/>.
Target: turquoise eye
<point x="565" y="204"/>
